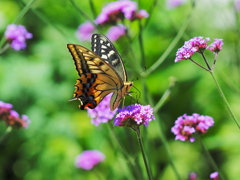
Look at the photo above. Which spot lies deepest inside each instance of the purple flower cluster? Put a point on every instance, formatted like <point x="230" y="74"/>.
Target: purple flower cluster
<point x="111" y="14"/>
<point x="187" y="126"/>
<point x="171" y="4"/>
<point x="102" y="113"/>
<point x="216" y="46"/>
<point x="119" y="10"/>
<point x="115" y="32"/>
<point x="237" y="5"/>
<point x="88" y="159"/>
<point x="197" y="44"/>
<point x="11" y="117"/>
<point x="192" y="176"/>
<point x="85" y="31"/>
<point x="214" y="176"/>
<point x="134" y="115"/>
<point x="17" y="35"/>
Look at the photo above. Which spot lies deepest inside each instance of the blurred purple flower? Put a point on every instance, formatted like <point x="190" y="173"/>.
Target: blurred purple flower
<point x="17" y="35"/>
<point x="85" y="31"/>
<point x="196" y="44"/>
<point x="237" y="5"/>
<point x="216" y="46"/>
<point x="187" y="126"/>
<point x="171" y="4"/>
<point x="115" y="32"/>
<point x="134" y="115"/>
<point x="214" y="176"/>
<point x="88" y="159"/>
<point x="119" y="10"/>
<point x="102" y="113"/>
<point x="192" y="176"/>
<point x="11" y="117"/>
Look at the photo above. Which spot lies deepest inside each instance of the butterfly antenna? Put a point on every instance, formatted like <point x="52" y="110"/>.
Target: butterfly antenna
<point x="139" y="92"/>
<point x="136" y="77"/>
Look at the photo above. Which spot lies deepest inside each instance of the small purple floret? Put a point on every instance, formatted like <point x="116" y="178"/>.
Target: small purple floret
<point x="17" y="35"/>
<point x="88" y="159"/>
<point x="187" y="126"/>
<point x="137" y="114"/>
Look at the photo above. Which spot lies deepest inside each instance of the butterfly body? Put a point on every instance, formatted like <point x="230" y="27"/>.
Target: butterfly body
<point x="101" y="72"/>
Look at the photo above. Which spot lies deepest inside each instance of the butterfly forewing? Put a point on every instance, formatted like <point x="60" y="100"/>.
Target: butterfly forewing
<point x="104" y="48"/>
<point x="99" y="77"/>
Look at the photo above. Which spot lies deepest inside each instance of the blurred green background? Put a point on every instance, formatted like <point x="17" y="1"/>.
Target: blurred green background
<point x="40" y="80"/>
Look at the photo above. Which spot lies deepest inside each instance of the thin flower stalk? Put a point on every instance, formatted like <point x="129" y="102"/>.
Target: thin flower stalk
<point x="4" y="135"/>
<point x="224" y="99"/>
<point x="209" y="157"/>
<point x="137" y="130"/>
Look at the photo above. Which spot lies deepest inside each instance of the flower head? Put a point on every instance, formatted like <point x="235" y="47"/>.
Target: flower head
<point x="214" y="176"/>
<point x="85" y="31"/>
<point x="119" y="10"/>
<point x="115" y="32"/>
<point x="17" y="35"/>
<point x="237" y="5"/>
<point x="88" y="159"/>
<point x="11" y="117"/>
<point x="216" y="46"/>
<point x="196" y="44"/>
<point x="134" y="115"/>
<point x="192" y="176"/>
<point x="171" y="4"/>
<point x="102" y="113"/>
<point x="187" y="126"/>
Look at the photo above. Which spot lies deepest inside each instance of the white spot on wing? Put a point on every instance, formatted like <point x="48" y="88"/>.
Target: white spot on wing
<point x="111" y="53"/>
<point x="104" y="56"/>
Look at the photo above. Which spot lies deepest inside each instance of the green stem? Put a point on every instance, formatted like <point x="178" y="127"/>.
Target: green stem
<point x="4" y="135"/>
<point x="206" y="62"/>
<point x="140" y="40"/>
<point x="210" y="158"/>
<point x="143" y="153"/>
<point x="170" y="47"/>
<point x="165" y="143"/>
<point x="84" y="14"/>
<point x="166" y="95"/>
<point x="224" y="98"/>
<point x="93" y="9"/>
<point x="129" y="159"/>
<point x="199" y="65"/>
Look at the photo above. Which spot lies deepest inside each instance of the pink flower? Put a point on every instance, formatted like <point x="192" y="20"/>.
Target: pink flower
<point x="88" y="159"/>
<point x="214" y="176"/>
<point x="102" y="113"/>
<point x="216" y="46"/>
<point x="119" y="10"/>
<point x="171" y="4"/>
<point x="11" y="117"/>
<point x="192" y="176"/>
<point x="115" y="32"/>
<point x="134" y="115"/>
<point x="85" y="31"/>
<point x="237" y="5"/>
<point x="17" y="35"/>
<point x="187" y="126"/>
<point x="196" y="44"/>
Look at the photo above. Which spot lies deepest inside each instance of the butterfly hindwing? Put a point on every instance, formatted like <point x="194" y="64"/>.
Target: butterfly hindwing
<point x="98" y="77"/>
<point x="104" y="48"/>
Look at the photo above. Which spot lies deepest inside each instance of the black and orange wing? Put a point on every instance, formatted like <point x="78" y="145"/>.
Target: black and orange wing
<point x="97" y="78"/>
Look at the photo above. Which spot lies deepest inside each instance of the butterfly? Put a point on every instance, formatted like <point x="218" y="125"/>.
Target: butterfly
<point x="101" y="72"/>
